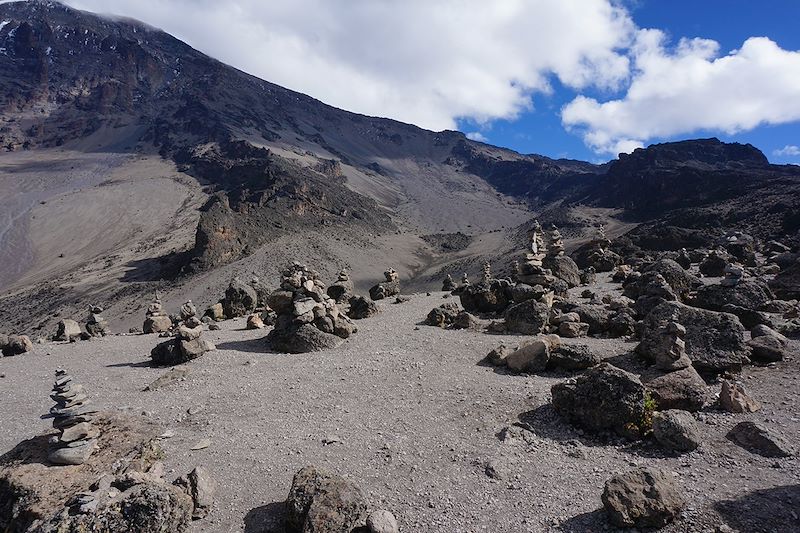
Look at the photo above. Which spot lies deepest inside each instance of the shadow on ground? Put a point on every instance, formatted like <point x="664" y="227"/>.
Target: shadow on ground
<point x="763" y="510"/>
<point x="270" y="518"/>
<point x="258" y="345"/>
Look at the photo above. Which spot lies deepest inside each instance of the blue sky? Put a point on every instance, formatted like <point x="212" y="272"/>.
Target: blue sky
<point x="583" y="79"/>
<point x="728" y="22"/>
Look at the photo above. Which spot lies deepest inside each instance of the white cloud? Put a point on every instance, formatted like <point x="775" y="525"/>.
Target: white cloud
<point x="788" y="151"/>
<point x="477" y="136"/>
<point x="691" y="88"/>
<point x="428" y="63"/>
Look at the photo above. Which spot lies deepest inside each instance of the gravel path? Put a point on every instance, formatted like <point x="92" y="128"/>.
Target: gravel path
<point x="411" y="417"/>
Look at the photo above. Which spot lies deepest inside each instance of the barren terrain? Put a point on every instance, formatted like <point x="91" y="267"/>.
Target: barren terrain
<point x="409" y="414"/>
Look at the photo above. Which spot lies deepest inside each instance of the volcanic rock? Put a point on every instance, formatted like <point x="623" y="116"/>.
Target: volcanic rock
<point x="642" y="498"/>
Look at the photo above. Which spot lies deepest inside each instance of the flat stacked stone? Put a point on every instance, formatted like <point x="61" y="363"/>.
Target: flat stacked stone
<point x="156" y="319"/>
<point x="556" y="245"/>
<point x="96" y="325"/>
<point x="188" y="314"/>
<point x="307" y="318"/>
<point x="72" y="416"/>
<point x="671" y="353"/>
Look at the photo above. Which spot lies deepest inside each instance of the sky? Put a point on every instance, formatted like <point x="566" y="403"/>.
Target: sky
<point x="580" y="79"/>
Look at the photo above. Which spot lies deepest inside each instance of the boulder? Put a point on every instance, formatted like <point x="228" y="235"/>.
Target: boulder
<point x="498" y="355"/>
<point x="529" y="317"/>
<point x="714" y="341"/>
<point x="761" y="330"/>
<point x="17" y="345"/>
<point x="786" y="284"/>
<point x="682" y="389"/>
<point x="321" y="501"/>
<point x="198" y="485"/>
<point x="598" y="317"/>
<point x="713" y="266"/>
<point x="681" y="281"/>
<point x="564" y="268"/>
<point x="493" y="296"/>
<point x="748" y="317"/>
<point x="758" y="439"/>
<point x="443" y="316"/>
<point x="676" y="430"/>
<point x="465" y="320"/>
<point x="67" y="330"/>
<point x="573" y="357"/>
<point x="216" y="312"/>
<point x="240" y="299"/>
<point x="749" y="294"/>
<point x="382" y="521"/>
<point x="302" y="339"/>
<point x="734" y="398"/>
<point x="254" y="322"/>
<point x="604" y="398"/>
<point x="361" y="308"/>
<point x="643" y="498"/>
<point x="767" y="349"/>
<point x="384" y="290"/>
<point x="532" y="356"/>
<point x="572" y="330"/>
<point x="157" y="324"/>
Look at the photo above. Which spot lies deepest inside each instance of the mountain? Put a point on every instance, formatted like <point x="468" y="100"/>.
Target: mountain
<point x="134" y="162"/>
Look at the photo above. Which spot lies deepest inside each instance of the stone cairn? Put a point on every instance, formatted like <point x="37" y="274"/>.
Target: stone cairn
<point x="556" y="246"/>
<point x="448" y="285"/>
<point x="465" y="280"/>
<point x="187" y="344"/>
<point x="671" y="353"/>
<point x="72" y="416"/>
<point x="390" y="287"/>
<point x="342" y="289"/>
<point x="486" y="274"/>
<point x="156" y="320"/>
<point x="96" y="325"/>
<point x="308" y="319"/>
<point x="531" y="271"/>
<point x="733" y="275"/>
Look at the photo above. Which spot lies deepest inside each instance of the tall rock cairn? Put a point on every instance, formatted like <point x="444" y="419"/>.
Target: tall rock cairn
<point x="530" y="270"/>
<point x="556" y="245"/>
<point x="156" y="319"/>
<point x="72" y="416"/>
<point x="96" y="325"/>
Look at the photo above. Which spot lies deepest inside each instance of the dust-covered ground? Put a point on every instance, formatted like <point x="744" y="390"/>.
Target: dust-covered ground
<point x="410" y="415"/>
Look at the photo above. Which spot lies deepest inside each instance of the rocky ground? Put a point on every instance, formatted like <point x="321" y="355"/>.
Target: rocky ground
<point x="411" y="415"/>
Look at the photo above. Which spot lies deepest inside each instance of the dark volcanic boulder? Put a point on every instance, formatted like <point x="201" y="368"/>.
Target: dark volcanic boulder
<point x="786" y="284"/>
<point x="597" y="316"/>
<point x="240" y="299"/>
<point x="749" y="294"/>
<point x="681" y="281"/>
<point x="604" y="398"/>
<point x="483" y="297"/>
<point x="384" y="290"/>
<point x="529" y="317"/>
<point x="443" y="316"/>
<point x="682" y="389"/>
<point x="301" y="339"/>
<point x="713" y="266"/>
<point x="564" y="268"/>
<point x="320" y="501"/>
<point x="573" y="357"/>
<point x="361" y="308"/>
<point x="714" y="341"/>
<point x="643" y="499"/>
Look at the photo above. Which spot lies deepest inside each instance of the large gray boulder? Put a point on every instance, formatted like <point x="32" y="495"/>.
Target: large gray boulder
<point x="676" y="430"/>
<point x="714" y="341"/>
<point x="758" y="439"/>
<point x="323" y="502"/>
<point x="16" y="345"/>
<point x="786" y="283"/>
<point x="301" y="339"/>
<point x="564" y="268"/>
<point x="642" y="498"/>
<point x="679" y="280"/>
<point x="493" y="296"/>
<point x="682" y="389"/>
<point x="384" y="290"/>
<point x="529" y="317"/>
<point x="67" y="330"/>
<point x="361" y="308"/>
<point x="240" y="299"/>
<point x="749" y="294"/>
<point x="604" y="398"/>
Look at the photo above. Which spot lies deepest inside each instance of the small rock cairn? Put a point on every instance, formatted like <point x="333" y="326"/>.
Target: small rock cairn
<point x="96" y="325"/>
<point x="531" y="271"/>
<point x="733" y="275"/>
<point x="72" y="416"/>
<point x="156" y="319"/>
<point x="448" y="285"/>
<point x="342" y="288"/>
<point x="671" y="354"/>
